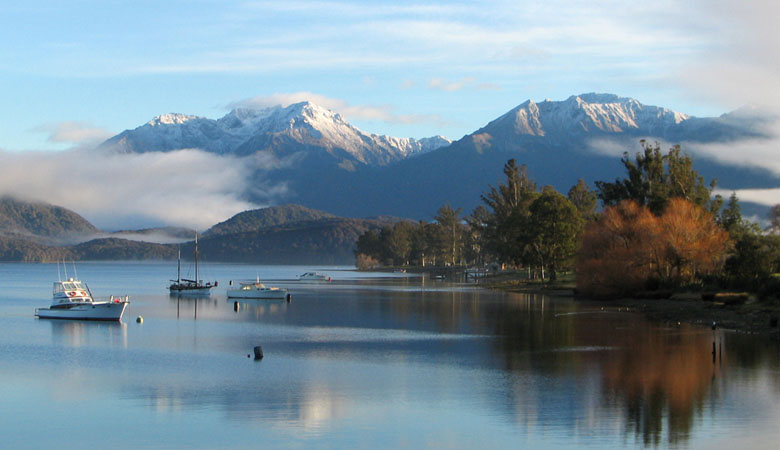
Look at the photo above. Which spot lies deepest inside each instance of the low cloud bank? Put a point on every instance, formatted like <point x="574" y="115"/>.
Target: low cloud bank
<point x="186" y="188"/>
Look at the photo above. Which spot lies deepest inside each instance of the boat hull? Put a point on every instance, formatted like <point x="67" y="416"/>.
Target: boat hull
<point x="203" y="290"/>
<point x="267" y="294"/>
<point x="106" y="311"/>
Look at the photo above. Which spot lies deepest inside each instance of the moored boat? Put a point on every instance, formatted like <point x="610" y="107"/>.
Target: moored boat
<point x="257" y="290"/>
<point x="183" y="286"/>
<point x="72" y="299"/>
<point x="313" y="277"/>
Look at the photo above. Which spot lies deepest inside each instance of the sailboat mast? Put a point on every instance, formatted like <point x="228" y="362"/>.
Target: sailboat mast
<point x="197" y="280"/>
<point x="178" y="268"/>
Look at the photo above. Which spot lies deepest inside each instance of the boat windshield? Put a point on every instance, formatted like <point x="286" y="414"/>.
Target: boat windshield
<point x="62" y="286"/>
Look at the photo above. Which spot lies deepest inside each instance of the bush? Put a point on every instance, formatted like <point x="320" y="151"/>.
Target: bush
<point x="771" y="289"/>
<point x="365" y="262"/>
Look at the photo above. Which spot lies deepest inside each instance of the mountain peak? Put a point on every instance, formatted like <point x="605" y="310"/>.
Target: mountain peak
<point x="303" y="128"/>
<point x="171" y="119"/>
<point x="584" y="114"/>
<point x="595" y="97"/>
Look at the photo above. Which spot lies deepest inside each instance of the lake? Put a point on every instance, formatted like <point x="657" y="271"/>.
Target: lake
<point x="370" y="361"/>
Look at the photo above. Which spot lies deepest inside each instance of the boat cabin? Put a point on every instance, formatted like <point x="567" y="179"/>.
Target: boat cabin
<point x="71" y="290"/>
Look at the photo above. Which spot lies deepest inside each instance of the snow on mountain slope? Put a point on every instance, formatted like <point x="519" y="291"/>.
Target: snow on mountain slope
<point x="586" y="113"/>
<point x="282" y="130"/>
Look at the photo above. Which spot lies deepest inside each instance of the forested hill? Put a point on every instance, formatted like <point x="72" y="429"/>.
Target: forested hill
<point x="256" y="219"/>
<point x="289" y="234"/>
<point x="40" y="219"/>
<point x="322" y="241"/>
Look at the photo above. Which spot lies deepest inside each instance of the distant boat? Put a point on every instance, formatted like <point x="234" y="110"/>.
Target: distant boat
<point x="72" y="299"/>
<point x="183" y="286"/>
<point x="313" y="277"/>
<point x="257" y="290"/>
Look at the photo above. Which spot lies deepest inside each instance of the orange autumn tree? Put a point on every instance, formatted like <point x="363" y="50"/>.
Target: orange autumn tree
<point x="616" y="253"/>
<point x="693" y="244"/>
<point x="628" y="246"/>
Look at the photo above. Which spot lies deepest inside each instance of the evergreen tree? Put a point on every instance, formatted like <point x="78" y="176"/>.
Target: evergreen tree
<point x="509" y="203"/>
<point x="774" y="219"/>
<point x="584" y="199"/>
<point x="476" y="239"/>
<point x="552" y="231"/>
<point x="400" y="242"/>
<point x="654" y="179"/>
<point x="451" y="234"/>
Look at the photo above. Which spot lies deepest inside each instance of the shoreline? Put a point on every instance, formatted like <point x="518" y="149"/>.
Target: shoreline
<point x="751" y="317"/>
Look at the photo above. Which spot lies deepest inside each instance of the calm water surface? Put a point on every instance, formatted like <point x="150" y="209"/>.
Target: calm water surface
<point x="367" y="361"/>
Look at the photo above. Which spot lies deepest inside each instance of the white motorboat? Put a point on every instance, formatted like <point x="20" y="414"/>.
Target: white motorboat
<point x="257" y="290"/>
<point x="313" y="277"/>
<point x="183" y="286"/>
<point x="72" y="299"/>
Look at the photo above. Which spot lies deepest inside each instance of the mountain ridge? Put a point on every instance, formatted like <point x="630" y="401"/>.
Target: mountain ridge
<point x="278" y="130"/>
<point x="558" y="141"/>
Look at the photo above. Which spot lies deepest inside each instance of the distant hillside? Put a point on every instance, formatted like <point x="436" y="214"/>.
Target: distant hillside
<point x="25" y="250"/>
<point x="256" y="219"/>
<point x="323" y="241"/>
<point x="17" y="249"/>
<point x="288" y="234"/>
<point x="42" y="220"/>
<point x="113" y="249"/>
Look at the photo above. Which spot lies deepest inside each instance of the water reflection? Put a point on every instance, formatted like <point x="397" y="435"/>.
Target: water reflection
<point x="408" y="357"/>
<point x="82" y="333"/>
<point x="658" y="380"/>
<point x="187" y="305"/>
<point x="573" y="365"/>
<point x="663" y="381"/>
<point x="258" y="308"/>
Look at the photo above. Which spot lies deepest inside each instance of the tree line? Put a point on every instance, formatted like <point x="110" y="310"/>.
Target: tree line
<point x="659" y="226"/>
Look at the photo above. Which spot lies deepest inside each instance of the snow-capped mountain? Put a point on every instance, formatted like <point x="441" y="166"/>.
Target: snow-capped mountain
<point x="559" y="142"/>
<point x="587" y="113"/>
<point x="590" y="116"/>
<point x="330" y="165"/>
<point x="280" y="130"/>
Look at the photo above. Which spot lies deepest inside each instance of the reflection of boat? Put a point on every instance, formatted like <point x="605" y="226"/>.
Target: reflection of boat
<point x="182" y="286"/>
<point x="313" y="277"/>
<point x="72" y="299"/>
<point x="258" y="290"/>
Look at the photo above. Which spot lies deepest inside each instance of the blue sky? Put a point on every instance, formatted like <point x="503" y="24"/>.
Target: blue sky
<point x="84" y="70"/>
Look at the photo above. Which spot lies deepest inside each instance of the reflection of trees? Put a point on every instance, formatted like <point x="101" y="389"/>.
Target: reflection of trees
<point x="661" y="377"/>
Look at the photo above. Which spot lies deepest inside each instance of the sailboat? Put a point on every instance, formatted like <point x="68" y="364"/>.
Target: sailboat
<point x="183" y="286"/>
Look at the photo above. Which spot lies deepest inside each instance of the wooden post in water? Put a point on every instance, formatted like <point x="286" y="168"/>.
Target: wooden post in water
<point x="714" y="353"/>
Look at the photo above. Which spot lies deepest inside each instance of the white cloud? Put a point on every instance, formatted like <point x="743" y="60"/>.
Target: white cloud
<point x="75" y="132"/>
<point x="766" y="197"/>
<point x="741" y="63"/>
<point x="188" y="188"/>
